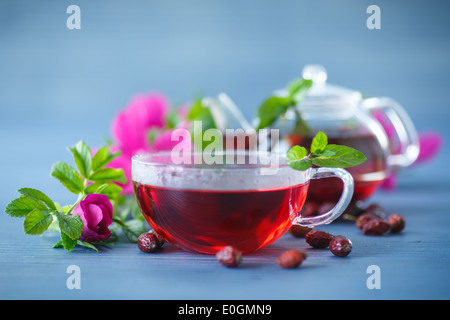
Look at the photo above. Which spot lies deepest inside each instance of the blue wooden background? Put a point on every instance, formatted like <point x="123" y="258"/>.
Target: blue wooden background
<point x="58" y="86"/>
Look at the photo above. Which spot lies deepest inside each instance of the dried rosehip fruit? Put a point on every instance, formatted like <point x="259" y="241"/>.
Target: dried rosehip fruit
<point x="309" y="209"/>
<point x="396" y="223"/>
<point x="356" y="209"/>
<point x="363" y="219"/>
<point x="376" y="210"/>
<point x="375" y="227"/>
<point x="299" y="231"/>
<point x="291" y="259"/>
<point x="150" y="241"/>
<point x="229" y="256"/>
<point x="318" y="239"/>
<point x="341" y="246"/>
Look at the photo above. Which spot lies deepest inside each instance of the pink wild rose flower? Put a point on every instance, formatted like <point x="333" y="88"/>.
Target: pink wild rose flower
<point x="132" y="127"/>
<point x="430" y="143"/>
<point x="96" y="212"/>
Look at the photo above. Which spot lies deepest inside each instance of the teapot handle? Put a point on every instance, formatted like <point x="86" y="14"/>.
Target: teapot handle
<point x="403" y="127"/>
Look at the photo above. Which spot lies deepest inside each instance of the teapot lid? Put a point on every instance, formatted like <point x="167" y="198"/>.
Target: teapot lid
<point x="323" y="94"/>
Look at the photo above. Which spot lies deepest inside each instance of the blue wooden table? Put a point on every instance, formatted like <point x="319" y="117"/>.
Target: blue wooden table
<point x="59" y="86"/>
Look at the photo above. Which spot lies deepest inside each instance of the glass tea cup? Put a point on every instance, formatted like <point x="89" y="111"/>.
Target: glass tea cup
<point x="248" y="204"/>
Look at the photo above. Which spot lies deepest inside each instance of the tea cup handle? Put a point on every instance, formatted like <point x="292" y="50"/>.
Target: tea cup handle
<point x="404" y="128"/>
<point x="341" y="205"/>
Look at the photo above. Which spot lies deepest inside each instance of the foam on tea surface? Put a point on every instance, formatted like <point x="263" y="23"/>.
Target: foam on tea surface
<point x="159" y="170"/>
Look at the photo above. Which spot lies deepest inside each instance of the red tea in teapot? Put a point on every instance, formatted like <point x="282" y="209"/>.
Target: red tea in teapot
<point x="367" y="176"/>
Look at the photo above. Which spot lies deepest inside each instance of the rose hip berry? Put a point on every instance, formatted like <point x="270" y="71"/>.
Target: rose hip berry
<point x="396" y="223"/>
<point x="363" y="219"/>
<point x="229" y="256"/>
<point x="299" y="231"/>
<point x="375" y="227"/>
<point x="376" y="210"/>
<point x="341" y="246"/>
<point x="309" y="209"/>
<point x="291" y="259"/>
<point x="150" y="242"/>
<point x="318" y="239"/>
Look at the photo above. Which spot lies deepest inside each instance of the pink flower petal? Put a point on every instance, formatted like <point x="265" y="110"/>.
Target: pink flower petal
<point x="390" y="183"/>
<point x="164" y="141"/>
<point x="93" y="214"/>
<point x="430" y="144"/>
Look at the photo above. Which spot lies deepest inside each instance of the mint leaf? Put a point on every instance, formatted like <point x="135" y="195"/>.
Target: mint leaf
<point x="36" y="222"/>
<point x="68" y="176"/>
<point x="296" y="153"/>
<point x="296" y="158"/>
<point x="22" y="206"/>
<point x="200" y="112"/>
<point x="71" y="225"/>
<point x="274" y="107"/>
<point x="319" y="142"/>
<point x="83" y="158"/>
<point x="38" y="195"/>
<point x="301" y="164"/>
<point x="108" y="174"/>
<point x="298" y="89"/>
<point x="103" y="157"/>
<point x="271" y="109"/>
<point x="301" y="128"/>
<point x="195" y="110"/>
<point x="343" y="157"/>
<point x="172" y="119"/>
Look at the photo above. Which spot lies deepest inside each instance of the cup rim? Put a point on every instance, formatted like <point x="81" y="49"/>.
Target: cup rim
<point x="138" y="160"/>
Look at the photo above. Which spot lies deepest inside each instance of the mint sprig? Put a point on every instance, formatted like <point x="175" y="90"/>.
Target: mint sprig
<point x="275" y="106"/>
<point x="323" y="154"/>
<point x="200" y="112"/>
<point x="41" y="213"/>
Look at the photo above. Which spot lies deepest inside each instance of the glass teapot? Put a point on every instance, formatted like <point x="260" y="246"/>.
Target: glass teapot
<point x="348" y="119"/>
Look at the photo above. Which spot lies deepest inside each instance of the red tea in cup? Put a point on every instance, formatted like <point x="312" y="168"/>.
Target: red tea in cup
<point x="211" y="219"/>
<point x="203" y="208"/>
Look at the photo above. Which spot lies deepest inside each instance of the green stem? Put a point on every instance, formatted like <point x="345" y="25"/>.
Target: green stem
<point x="80" y="197"/>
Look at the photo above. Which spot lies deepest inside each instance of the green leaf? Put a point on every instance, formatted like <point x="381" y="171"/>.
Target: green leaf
<point x="325" y="153"/>
<point x="343" y="157"/>
<point x="301" y="164"/>
<point x="23" y="205"/>
<point x="103" y="157"/>
<point x="298" y="89"/>
<point x="172" y="119"/>
<point x="271" y="109"/>
<point x="39" y="196"/>
<point x="67" y="243"/>
<point x="71" y="225"/>
<point x="319" y="142"/>
<point x="296" y="158"/>
<point x="195" y="111"/>
<point x="296" y="153"/>
<point x="111" y="190"/>
<point x="152" y="134"/>
<point x="134" y="228"/>
<point x="59" y="244"/>
<point x="68" y="176"/>
<point x="108" y="174"/>
<point x="83" y="158"/>
<point x="87" y="245"/>
<point x="301" y="128"/>
<point x="36" y="222"/>
<point x="202" y="113"/>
